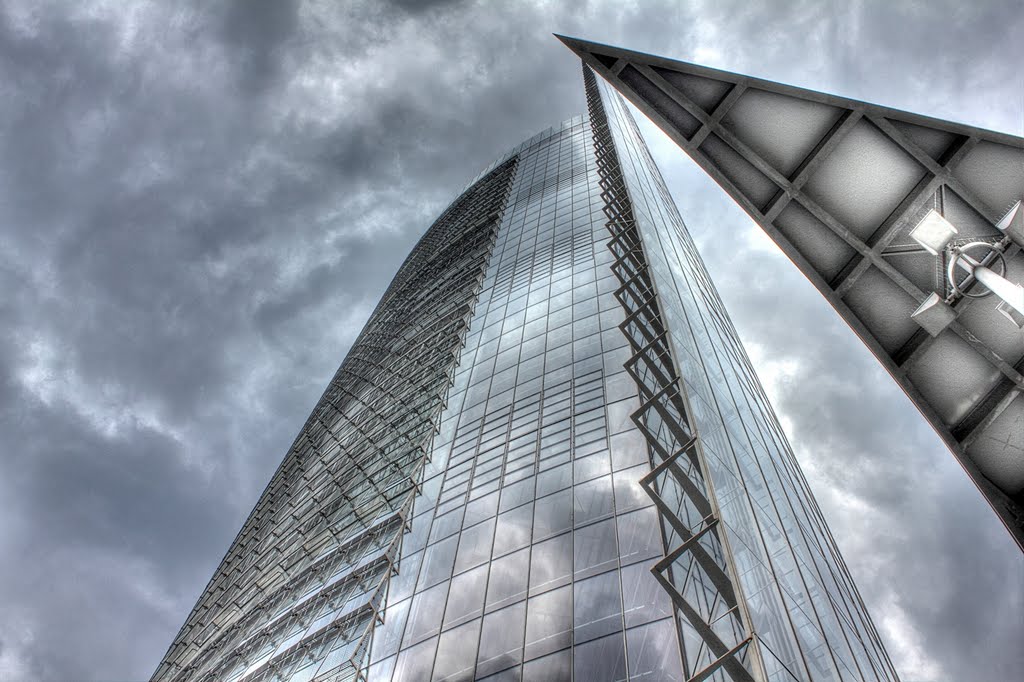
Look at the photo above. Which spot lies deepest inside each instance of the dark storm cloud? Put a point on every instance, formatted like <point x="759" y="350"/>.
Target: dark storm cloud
<point x="75" y="485"/>
<point x="154" y="218"/>
<point x="418" y="6"/>
<point x="257" y="30"/>
<point x="200" y="204"/>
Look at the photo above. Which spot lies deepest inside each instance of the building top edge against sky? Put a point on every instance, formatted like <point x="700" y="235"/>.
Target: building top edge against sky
<point x="578" y="45"/>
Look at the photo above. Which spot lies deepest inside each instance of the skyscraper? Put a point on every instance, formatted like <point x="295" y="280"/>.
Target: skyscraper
<point x="545" y="457"/>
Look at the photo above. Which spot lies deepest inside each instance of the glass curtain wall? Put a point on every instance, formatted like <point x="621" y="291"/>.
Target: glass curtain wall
<point x="803" y="607"/>
<point x="531" y="543"/>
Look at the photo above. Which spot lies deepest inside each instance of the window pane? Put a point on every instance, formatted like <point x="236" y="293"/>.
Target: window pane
<point x="456" y="653"/>
<point x="417" y="537"/>
<point x="621" y="385"/>
<point x="628" y="492"/>
<point x="425" y="614"/>
<point x="382" y="671"/>
<point x="474" y="546"/>
<point x="553" y="515"/>
<point x="594" y="549"/>
<point x="558" y="478"/>
<point x="466" y="596"/>
<point x="598" y="610"/>
<point x="551" y="564"/>
<point x="618" y="415"/>
<point x="446" y="524"/>
<point x="388" y="635"/>
<point x="602" y="660"/>
<point x="591" y="466"/>
<point x="593" y="500"/>
<point x="414" y="663"/>
<point x="501" y="640"/>
<point x="483" y="508"/>
<point x="549" y="622"/>
<point x="639" y="535"/>
<point x="654" y="652"/>
<point x="437" y="564"/>
<point x="629" y="449"/>
<point x="553" y="668"/>
<point x="513" y="530"/>
<point x="642" y="596"/>
<point x="508" y="579"/>
<point x="401" y="585"/>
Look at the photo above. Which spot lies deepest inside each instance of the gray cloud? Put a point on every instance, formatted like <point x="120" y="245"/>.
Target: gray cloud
<point x="257" y="30"/>
<point x="199" y="207"/>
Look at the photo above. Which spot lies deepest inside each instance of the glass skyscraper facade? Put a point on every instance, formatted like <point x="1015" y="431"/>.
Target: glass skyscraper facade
<point x="546" y="457"/>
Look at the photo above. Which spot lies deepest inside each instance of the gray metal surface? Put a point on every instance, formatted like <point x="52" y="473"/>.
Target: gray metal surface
<point x="838" y="184"/>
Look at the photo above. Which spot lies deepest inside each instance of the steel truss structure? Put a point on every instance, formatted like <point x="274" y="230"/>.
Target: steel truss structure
<point x="691" y="522"/>
<point x="839" y="185"/>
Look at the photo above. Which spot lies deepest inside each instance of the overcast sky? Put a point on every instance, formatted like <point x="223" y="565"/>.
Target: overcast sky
<point x="201" y="202"/>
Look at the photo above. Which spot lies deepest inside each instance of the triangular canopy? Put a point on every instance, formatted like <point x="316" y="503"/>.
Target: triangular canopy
<point x="839" y="184"/>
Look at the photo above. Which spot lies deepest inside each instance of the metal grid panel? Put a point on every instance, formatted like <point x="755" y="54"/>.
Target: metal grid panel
<point x="839" y="184"/>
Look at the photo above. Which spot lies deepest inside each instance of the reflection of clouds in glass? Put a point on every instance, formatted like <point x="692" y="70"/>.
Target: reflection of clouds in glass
<point x="652" y="650"/>
<point x="513" y="529"/>
<point x="629" y="448"/>
<point x="551" y="563"/>
<point x="388" y="635"/>
<point x="639" y="535"/>
<point x="455" y="658"/>
<point x="557" y="666"/>
<point x="474" y="546"/>
<point x="553" y="514"/>
<point x="601" y="659"/>
<point x="446" y="524"/>
<point x="549" y="622"/>
<point x="425" y="613"/>
<point x="554" y="479"/>
<point x="591" y="466"/>
<point x="438" y="562"/>
<point x="628" y="492"/>
<point x="515" y="494"/>
<point x="466" y="596"/>
<point x="595" y="549"/>
<point x="593" y="500"/>
<point x="508" y="579"/>
<point x="619" y="415"/>
<point x="643" y="597"/>
<point x="481" y="508"/>
<point x="414" y="663"/>
<point x="501" y="640"/>
<point x="597" y="606"/>
<point x="402" y="584"/>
